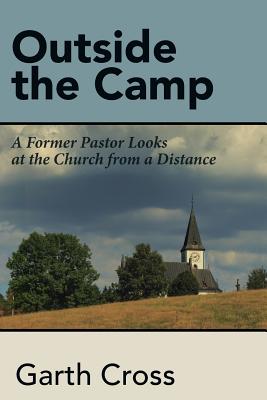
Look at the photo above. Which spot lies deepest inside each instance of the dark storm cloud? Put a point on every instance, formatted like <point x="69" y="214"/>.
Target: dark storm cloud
<point x="101" y="202"/>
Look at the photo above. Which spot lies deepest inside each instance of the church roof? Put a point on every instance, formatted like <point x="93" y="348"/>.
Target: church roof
<point x="205" y="280"/>
<point x="204" y="277"/>
<point x="192" y="238"/>
<point x="172" y="269"/>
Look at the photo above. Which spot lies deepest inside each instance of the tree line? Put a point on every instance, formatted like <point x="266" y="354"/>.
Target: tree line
<point x="54" y="271"/>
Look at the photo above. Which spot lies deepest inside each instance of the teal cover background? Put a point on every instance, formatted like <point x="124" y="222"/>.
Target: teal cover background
<point x="224" y="41"/>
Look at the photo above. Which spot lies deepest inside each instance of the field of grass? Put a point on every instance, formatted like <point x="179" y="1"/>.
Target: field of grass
<point x="247" y="309"/>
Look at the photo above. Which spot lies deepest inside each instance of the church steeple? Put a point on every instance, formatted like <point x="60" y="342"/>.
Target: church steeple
<point x="193" y="249"/>
<point x="192" y="238"/>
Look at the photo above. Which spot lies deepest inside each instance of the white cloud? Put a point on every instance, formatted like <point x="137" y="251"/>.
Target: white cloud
<point x="177" y="143"/>
<point x="236" y="258"/>
<point x="155" y="214"/>
<point x="240" y="150"/>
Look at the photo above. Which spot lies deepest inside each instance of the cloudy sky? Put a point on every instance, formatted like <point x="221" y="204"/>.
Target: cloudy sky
<point x="114" y="209"/>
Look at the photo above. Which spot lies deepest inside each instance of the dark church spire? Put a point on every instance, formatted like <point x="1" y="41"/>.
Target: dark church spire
<point x="192" y="238"/>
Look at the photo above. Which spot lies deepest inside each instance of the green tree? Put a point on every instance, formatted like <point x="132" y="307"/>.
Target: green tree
<point x="184" y="283"/>
<point x="50" y="271"/>
<point x="142" y="275"/>
<point x="111" y="294"/>
<point x="3" y="304"/>
<point x="257" y="279"/>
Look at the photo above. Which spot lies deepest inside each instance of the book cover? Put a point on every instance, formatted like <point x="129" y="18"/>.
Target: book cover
<point x="133" y="185"/>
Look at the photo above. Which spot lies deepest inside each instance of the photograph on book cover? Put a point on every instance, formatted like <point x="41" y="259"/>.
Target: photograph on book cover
<point x="133" y="227"/>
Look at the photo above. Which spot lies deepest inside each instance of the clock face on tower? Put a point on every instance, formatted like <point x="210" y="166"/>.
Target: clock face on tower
<point x="195" y="257"/>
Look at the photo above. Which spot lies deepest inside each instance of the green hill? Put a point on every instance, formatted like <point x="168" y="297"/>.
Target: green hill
<point x="242" y="310"/>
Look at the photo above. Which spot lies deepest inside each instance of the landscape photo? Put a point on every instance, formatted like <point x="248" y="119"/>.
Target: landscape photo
<point x="133" y="227"/>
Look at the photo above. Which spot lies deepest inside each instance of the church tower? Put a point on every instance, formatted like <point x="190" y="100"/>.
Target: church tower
<point x="193" y="251"/>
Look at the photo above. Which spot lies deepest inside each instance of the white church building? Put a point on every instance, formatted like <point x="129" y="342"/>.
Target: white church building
<point x="193" y="259"/>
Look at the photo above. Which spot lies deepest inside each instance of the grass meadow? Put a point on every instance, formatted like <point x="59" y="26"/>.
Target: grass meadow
<point x="236" y="310"/>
